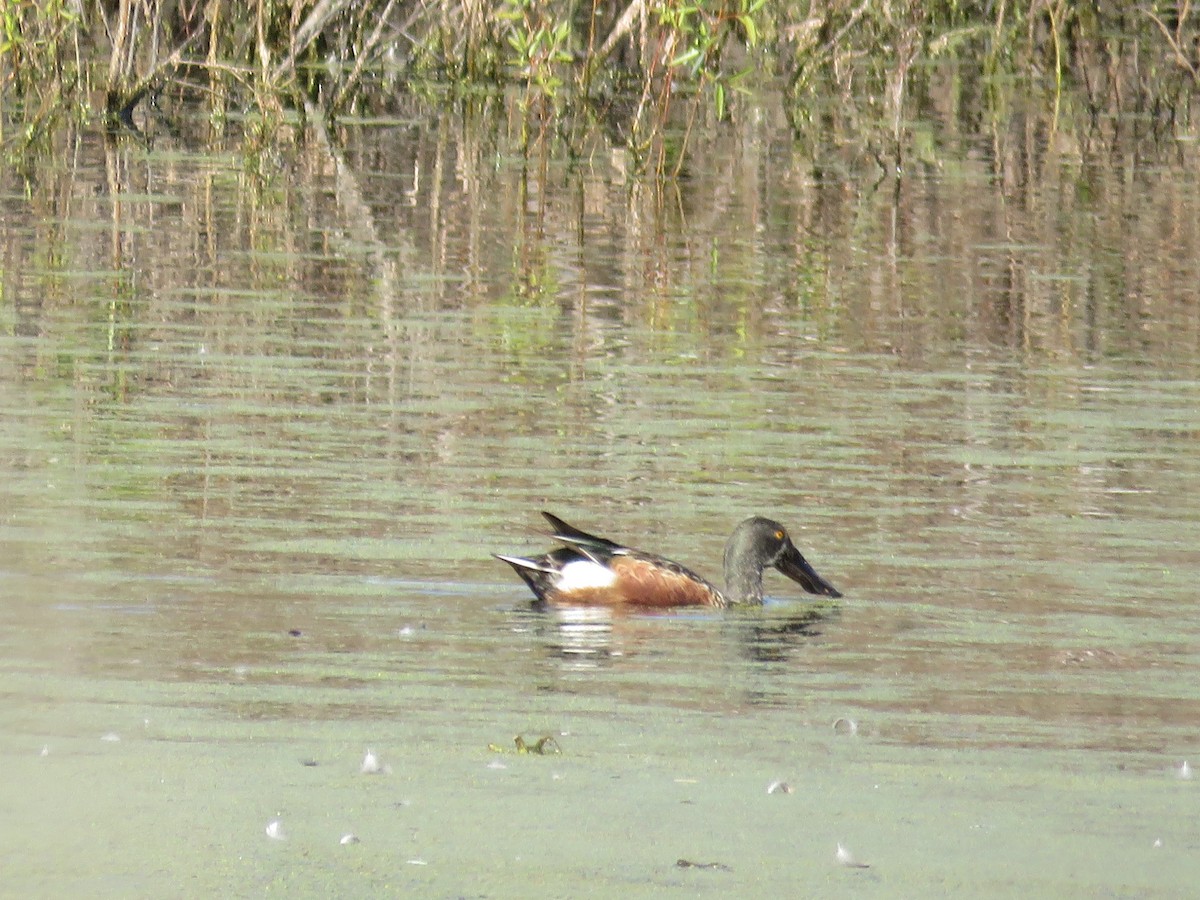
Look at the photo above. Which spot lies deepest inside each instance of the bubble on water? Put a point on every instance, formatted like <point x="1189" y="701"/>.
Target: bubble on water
<point x="846" y="858"/>
<point x="372" y="766"/>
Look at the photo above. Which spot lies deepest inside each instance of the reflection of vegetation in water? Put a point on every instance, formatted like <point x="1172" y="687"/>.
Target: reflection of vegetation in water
<point x="642" y="73"/>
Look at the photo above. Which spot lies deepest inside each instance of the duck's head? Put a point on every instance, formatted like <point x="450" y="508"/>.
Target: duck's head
<point x="758" y="543"/>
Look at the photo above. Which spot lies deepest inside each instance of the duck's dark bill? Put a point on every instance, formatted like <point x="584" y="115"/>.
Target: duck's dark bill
<point x="796" y="567"/>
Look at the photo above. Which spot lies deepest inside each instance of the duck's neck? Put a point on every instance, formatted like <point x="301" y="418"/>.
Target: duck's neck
<point x="743" y="582"/>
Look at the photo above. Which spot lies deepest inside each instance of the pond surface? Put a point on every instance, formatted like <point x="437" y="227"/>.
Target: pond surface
<point x="261" y="436"/>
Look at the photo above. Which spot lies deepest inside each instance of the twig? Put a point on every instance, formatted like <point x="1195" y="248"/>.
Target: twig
<point x="123" y="106"/>
<point x="1175" y="40"/>
<point x="363" y="55"/>
<point x="307" y="33"/>
<point x="635" y="10"/>
<point x="850" y="23"/>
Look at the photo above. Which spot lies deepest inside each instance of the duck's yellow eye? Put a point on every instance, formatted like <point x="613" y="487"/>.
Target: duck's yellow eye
<point x="780" y="534"/>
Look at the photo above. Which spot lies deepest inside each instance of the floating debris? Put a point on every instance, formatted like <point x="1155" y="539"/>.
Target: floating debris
<point x="416" y="862"/>
<point x="1184" y="771"/>
<point x="1088" y="656"/>
<point x="708" y="866"/>
<point x="275" y="830"/>
<point x="845" y="726"/>
<point x="846" y="858"/>
<point x="495" y="763"/>
<point x="372" y="766"/>
<point x="349" y="839"/>
<point x="295" y="632"/>
<point x="543" y="746"/>
<point x="779" y="787"/>
<point x="112" y="737"/>
<point x="45" y="750"/>
<point x="1157" y="843"/>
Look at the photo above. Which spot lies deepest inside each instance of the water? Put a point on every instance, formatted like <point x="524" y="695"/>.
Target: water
<point x="260" y="440"/>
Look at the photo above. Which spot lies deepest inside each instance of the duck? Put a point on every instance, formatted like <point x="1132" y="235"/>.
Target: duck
<point x="594" y="571"/>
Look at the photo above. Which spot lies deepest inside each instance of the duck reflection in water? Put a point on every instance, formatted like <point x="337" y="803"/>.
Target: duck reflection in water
<point x="588" y="584"/>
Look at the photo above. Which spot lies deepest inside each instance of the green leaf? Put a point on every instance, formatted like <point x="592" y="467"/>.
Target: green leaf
<point x="751" y="30"/>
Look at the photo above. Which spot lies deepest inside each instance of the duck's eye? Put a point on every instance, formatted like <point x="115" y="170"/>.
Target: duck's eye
<point x="780" y="534"/>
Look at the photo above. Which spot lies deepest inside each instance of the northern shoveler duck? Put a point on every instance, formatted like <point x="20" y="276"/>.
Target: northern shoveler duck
<point x="594" y="571"/>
